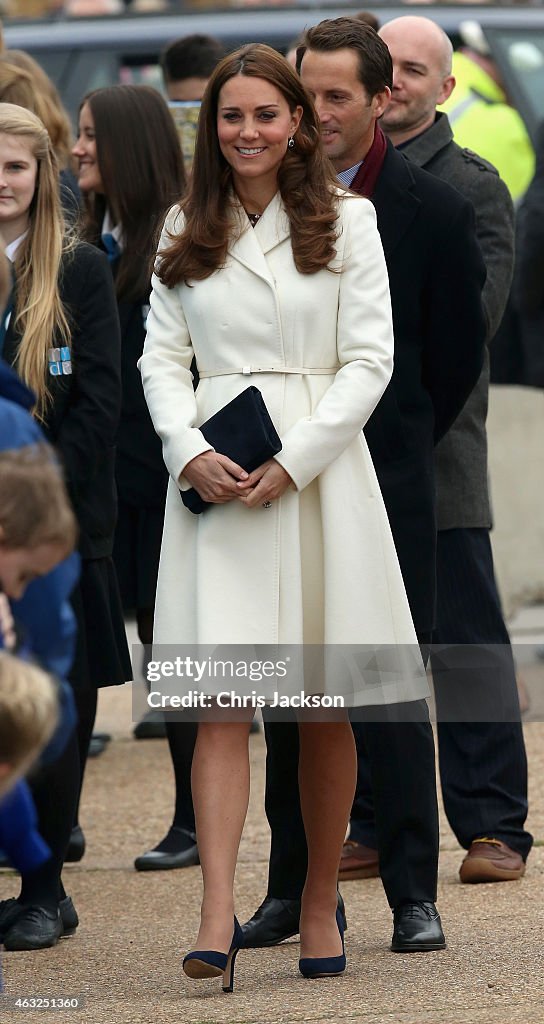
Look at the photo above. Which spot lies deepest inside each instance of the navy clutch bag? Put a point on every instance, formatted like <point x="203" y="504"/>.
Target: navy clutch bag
<point x="244" y="432"/>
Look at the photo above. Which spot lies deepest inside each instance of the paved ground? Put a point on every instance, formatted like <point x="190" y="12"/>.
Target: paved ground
<point x="125" y="961"/>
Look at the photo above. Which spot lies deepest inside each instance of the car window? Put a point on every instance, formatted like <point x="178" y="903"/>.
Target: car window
<point x="140" y="70"/>
<point x="87" y="71"/>
<point x="55" y="63"/>
<point x="98" y="68"/>
<point x="520" y="56"/>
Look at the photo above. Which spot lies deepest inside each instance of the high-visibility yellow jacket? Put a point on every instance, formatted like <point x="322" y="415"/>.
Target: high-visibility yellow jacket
<point x="482" y="120"/>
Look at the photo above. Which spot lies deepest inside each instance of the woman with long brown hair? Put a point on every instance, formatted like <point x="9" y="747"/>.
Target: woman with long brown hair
<point x="130" y="173"/>
<point x="269" y="274"/>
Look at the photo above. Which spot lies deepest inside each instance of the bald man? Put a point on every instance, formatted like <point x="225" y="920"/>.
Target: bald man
<point x="483" y="764"/>
<point x="422" y="78"/>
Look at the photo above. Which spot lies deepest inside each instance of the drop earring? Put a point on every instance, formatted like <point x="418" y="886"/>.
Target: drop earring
<point x="291" y="143"/>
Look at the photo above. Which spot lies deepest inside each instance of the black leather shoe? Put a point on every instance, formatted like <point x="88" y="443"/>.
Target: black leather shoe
<point x="276" y="920"/>
<point x="417" y="928"/>
<point x="34" y="928"/>
<point x="76" y="846"/>
<point x="151" y="727"/>
<point x="68" y="916"/>
<point x="97" y="746"/>
<point x="159" y="860"/>
<point x="9" y="912"/>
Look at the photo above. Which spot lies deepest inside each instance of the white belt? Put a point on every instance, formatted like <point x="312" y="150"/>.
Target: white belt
<point x="247" y="370"/>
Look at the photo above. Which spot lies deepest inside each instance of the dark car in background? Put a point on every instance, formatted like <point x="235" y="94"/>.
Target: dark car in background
<point x="81" y="54"/>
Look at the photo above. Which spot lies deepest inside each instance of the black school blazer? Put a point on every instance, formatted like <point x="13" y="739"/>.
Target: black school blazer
<point x="141" y="475"/>
<point x="83" y="417"/>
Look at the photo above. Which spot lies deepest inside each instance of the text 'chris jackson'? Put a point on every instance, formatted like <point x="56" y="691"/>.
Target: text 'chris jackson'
<point x="230" y="699"/>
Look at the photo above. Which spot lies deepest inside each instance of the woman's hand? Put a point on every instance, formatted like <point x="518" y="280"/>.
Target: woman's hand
<point x="215" y="477"/>
<point x="267" y="483"/>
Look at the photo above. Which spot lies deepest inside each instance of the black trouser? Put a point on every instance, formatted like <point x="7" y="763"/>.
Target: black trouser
<point x="181" y="741"/>
<point x="399" y="744"/>
<point x="55" y="791"/>
<point x="483" y="765"/>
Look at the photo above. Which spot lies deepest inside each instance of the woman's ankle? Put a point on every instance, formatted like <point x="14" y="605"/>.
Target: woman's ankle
<point x="319" y="901"/>
<point x="214" y="909"/>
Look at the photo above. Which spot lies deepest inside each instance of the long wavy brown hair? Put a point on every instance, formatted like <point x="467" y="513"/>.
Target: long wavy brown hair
<point x="142" y="172"/>
<point x="306" y="180"/>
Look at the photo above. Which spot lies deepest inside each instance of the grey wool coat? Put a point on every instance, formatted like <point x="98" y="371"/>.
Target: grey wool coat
<point x="461" y="456"/>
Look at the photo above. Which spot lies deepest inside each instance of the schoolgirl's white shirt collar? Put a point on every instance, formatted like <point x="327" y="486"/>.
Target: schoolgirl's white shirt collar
<point x="11" y="249"/>
<point x="115" y="230"/>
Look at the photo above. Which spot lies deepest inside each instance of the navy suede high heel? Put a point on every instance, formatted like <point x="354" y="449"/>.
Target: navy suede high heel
<point x="208" y="963"/>
<point x="325" y="966"/>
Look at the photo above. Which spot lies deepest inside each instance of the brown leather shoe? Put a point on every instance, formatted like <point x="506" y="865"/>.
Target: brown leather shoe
<point x="490" y="860"/>
<point x="358" y="861"/>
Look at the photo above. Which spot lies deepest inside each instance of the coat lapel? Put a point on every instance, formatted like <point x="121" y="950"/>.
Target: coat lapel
<point x="394" y="199"/>
<point x="252" y="244"/>
<point x="424" y="147"/>
<point x="273" y="227"/>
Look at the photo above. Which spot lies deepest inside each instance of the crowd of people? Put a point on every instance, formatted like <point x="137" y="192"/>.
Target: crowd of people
<point x="333" y="242"/>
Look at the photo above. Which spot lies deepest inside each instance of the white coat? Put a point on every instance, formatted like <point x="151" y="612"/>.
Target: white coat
<point x="320" y="565"/>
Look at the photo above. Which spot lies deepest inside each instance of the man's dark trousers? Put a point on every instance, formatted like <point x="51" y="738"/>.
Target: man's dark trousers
<point x="406" y="808"/>
<point x="483" y="766"/>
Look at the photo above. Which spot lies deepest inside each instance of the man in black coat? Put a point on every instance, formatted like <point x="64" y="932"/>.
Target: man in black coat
<point x="436" y="276"/>
<point x="483" y="765"/>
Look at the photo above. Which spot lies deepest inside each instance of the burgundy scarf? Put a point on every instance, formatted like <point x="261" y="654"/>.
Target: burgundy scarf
<point x="365" y="180"/>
